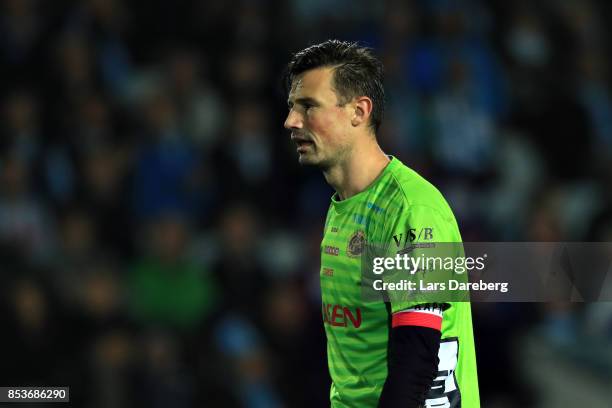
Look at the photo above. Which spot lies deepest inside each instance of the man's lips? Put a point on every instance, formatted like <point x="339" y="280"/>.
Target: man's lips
<point x="302" y="144"/>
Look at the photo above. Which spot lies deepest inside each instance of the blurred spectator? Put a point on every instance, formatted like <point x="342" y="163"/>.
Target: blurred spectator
<point x="246" y="72"/>
<point x="594" y="94"/>
<point x="200" y="108"/>
<point x="249" y="151"/>
<point x="39" y="345"/>
<point x="166" y="289"/>
<point x="167" y="166"/>
<point x="21" y="28"/>
<point x="111" y="367"/>
<point x="241" y="343"/>
<point x="24" y="222"/>
<point x="164" y="380"/>
<point x="103" y="194"/>
<point x="527" y="41"/>
<point x="21" y="129"/>
<point x="108" y="25"/>
<point x="75" y="70"/>
<point x="238" y="269"/>
<point x="458" y="116"/>
<point x="77" y="250"/>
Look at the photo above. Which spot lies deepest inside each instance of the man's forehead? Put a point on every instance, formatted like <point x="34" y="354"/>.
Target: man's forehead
<point x="318" y="79"/>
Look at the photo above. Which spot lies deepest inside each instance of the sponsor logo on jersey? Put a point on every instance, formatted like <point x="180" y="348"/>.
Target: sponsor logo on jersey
<point x="411" y="235"/>
<point x="355" y="244"/>
<point x="375" y="208"/>
<point x="341" y="316"/>
<point x="331" y="250"/>
<point x="335" y="229"/>
<point x="328" y="272"/>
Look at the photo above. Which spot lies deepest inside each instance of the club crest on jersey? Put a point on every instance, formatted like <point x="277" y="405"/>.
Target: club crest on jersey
<point x="356" y="243"/>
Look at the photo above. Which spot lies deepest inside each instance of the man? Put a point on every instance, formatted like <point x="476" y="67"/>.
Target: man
<point x="386" y="354"/>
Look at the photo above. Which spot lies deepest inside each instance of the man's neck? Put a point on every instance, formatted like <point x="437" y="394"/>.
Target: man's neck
<point x="358" y="171"/>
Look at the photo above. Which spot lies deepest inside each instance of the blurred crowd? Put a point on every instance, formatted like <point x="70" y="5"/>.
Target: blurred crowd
<point x="160" y="243"/>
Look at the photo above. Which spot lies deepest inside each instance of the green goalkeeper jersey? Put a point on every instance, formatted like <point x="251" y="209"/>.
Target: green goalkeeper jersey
<point x="399" y="207"/>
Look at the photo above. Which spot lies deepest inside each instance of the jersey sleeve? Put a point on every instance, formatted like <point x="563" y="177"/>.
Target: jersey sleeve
<point x="426" y="237"/>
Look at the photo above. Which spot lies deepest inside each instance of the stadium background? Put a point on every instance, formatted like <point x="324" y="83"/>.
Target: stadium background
<point x="160" y="243"/>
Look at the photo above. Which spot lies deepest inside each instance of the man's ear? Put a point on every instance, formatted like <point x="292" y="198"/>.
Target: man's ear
<point x="363" y="110"/>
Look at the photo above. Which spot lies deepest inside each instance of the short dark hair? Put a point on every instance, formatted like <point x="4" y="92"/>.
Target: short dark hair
<point x="356" y="72"/>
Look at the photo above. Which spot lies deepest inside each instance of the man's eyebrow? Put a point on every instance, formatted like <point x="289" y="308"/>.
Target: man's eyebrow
<point x="303" y="101"/>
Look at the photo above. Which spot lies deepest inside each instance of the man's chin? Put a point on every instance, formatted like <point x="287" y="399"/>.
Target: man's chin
<point x="307" y="160"/>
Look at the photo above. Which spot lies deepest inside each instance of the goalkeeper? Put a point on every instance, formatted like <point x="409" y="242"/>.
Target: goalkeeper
<point x="397" y="353"/>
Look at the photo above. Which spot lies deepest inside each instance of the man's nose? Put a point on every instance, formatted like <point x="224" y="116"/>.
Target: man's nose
<point x="293" y="121"/>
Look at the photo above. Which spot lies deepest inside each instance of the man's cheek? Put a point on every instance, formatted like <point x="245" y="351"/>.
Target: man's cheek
<point x="327" y="121"/>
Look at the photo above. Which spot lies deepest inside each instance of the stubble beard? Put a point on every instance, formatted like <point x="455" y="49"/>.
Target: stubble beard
<point x="313" y="159"/>
<point x="339" y="157"/>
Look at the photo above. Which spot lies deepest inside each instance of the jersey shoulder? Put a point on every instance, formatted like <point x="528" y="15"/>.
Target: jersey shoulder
<point x="409" y="189"/>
